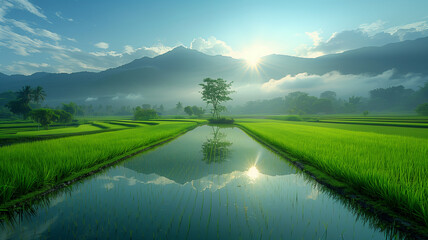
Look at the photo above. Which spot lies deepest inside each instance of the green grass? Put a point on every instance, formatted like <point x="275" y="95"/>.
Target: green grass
<point x="103" y="118"/>
<point x="80" y="128"/>
<point x="389" y="130"/>
<point x="380" y="123"/>
<point x="23" y="132"/>
<point x="28" y="167"/>
<point x="391" y="169"/>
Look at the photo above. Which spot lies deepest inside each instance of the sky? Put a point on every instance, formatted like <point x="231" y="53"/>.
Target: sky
<point x="80" y="35"/>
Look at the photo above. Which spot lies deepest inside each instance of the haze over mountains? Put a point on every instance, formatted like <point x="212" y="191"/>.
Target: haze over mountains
<point x="175" y="75"/>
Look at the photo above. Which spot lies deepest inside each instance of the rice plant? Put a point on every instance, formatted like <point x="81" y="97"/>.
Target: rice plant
<point x="393" y="168"/>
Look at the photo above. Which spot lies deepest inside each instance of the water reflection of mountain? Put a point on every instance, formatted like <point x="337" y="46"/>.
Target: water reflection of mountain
<point x="180" y="160"/>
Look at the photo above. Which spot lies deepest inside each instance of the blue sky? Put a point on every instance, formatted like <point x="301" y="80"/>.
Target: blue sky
<point x="75" y="35"/>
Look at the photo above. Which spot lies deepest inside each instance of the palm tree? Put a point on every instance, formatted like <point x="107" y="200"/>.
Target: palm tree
<point x="25" y="94"/>
<point x="38" y="94"/>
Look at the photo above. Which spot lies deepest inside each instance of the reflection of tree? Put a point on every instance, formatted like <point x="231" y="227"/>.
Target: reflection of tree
<point x="216" y="149"/>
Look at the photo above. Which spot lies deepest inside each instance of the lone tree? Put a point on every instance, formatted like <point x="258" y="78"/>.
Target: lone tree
<point x="214" y="92"/>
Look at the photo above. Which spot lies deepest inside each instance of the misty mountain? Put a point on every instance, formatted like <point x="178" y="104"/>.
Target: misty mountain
<point x="175" y="75"/>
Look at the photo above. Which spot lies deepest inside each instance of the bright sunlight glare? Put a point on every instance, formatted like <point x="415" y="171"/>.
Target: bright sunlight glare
<point x="253" y="61"/>
<point x="253" y="173"/>
<point x="253" y="54"/>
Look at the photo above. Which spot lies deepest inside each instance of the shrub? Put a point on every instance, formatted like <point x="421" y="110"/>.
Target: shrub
<point x="221" y="120"/>
<point x="63" y="116"/>
<point x="145" y="114"/>
<point x="422" y="109"/>
<point x="293" y="118"/>
<point x="43" y="116"/>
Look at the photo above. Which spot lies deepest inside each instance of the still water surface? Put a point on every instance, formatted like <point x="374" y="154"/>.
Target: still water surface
<point x="211" y="183"/>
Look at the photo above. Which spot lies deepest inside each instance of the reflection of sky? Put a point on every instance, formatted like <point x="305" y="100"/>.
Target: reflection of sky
<point x="181" y="163"/>
<point x="210" y="182"/>
<point x="29" y="230"/>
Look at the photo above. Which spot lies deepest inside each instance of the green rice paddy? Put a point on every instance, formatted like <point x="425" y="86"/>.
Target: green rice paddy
<point x="26" y="167"/>
<point x="390" y="168"/>
<point x="383" y="158"/>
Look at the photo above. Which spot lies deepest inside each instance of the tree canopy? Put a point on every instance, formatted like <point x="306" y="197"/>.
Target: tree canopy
<point x="21" y="105"/>
<point x="144" y="114"/>
<point x="215" y="92"/>
<point x="44" y="116"/>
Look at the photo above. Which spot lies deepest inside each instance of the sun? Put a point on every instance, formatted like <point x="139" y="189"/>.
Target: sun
<point x="253" y="55"/>
<point x="253" y="61"/>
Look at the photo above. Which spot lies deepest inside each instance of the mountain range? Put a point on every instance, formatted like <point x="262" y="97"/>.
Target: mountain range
<point x="175" y="75"/>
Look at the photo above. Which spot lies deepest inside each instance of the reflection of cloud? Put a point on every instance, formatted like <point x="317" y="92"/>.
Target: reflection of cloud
<point x="132" y="181"/>
<point x="109" y="186"/>
<point x="151" y="179"/>
<point x="216" y="182"/>
<point x="57" y="200"/>
<point x="210" y="182"/>
<point x="314" y="194"/>
<point x="28" y="231"/>
<point x="161" y="181"/>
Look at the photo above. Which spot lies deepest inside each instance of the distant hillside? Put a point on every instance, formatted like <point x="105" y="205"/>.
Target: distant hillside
<point x="177" y="73"/>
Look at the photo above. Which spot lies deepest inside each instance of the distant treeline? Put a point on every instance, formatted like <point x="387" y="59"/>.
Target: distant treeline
<point x="392" y="99"/>
<point x="82" y="109"/>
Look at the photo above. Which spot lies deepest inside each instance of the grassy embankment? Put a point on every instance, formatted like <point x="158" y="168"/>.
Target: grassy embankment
<point x="24" y="131"/>
<point x="34" y="167"/>
<point x="390" y="169"/>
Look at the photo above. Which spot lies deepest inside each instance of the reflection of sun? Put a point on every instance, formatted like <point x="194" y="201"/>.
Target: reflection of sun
<point x="253" y="173"/>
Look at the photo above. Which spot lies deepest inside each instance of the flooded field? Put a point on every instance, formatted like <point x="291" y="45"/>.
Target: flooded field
<point x="211" y="183"/>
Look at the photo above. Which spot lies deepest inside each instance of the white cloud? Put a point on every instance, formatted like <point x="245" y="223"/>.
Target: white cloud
<point x="26" y="5"/>
<point x="372" y="28"/>
<point x="157" y="49"/>
<point x="129" y="49"/>
<point x="371" y="34"/>
<point x="24" y="39"/>
<point x="315" y="36"/>
<point x="36" y="65"/>
<point x="59" y="15"/>
<point x="49" y="34"/>
<point x="133" y="96"/>
<point x="345" y="84"/>
<point x="211" y="46"/>
<point x="35" y="31"/>
<point x="102" y="45"/>
<point x="91" y="99"/>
